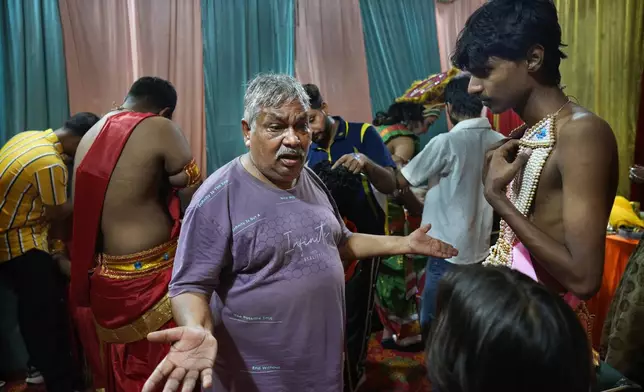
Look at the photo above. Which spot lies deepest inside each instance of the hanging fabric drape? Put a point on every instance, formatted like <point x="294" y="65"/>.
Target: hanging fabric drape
<point x="401" y="47"/>
<point x="329" y="52"/>
<point x="241" y="38"/>
<point x="33" y="85"/>
<point x="606" y="58"/>
<point x="111" y="43"/>
<point x="450" y="20"/>
<point x="505" y="122"/>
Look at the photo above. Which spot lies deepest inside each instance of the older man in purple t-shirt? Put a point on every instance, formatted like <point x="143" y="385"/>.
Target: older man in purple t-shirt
<point x="258" y="283"/>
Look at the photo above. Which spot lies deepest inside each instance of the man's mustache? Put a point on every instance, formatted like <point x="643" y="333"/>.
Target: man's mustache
<point x="291" y="152"/>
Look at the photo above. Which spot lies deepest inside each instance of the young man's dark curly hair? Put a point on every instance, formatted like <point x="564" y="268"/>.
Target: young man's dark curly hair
<point x="508" y="29"/>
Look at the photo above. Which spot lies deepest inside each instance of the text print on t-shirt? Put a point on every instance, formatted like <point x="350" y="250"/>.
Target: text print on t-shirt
<point x="300" y="242"/>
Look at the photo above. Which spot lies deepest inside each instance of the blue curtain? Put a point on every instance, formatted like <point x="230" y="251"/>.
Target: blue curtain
<point x="33" y="82"/>
<point x="241" y="39"/>
<point x="401" y="46"/>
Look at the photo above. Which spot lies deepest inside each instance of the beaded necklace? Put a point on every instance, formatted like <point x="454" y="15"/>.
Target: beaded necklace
<point x="541" y="139"/>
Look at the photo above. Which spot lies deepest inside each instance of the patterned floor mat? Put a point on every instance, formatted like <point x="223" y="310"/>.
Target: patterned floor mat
<point x="394" y="371"/>
<point x="21" y="386"/>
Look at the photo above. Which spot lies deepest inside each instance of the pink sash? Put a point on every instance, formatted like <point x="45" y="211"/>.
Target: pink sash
<point x="522" y="262"/>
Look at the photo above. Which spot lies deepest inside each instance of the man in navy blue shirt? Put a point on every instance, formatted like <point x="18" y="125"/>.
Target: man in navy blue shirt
<point x="359" y="148"/>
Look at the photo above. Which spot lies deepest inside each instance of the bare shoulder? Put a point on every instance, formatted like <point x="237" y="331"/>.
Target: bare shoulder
<point x="583" y="128"/>
<point x="403" y="139"/>
<point x="587" y="151"/>
<point x="159" y="134"/>
<point x="88" y="139"/>
<point x="159" y="126"/>
<point x="164" y="139"/>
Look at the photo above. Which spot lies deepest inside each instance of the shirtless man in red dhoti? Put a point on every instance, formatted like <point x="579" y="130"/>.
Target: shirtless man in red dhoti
<point x="131" y="168"/>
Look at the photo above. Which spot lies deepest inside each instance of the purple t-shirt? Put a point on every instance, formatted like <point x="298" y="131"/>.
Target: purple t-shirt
<point x="269" y="261"/>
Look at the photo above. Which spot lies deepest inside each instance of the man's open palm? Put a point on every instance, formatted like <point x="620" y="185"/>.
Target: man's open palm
<point x="191" y="358"/>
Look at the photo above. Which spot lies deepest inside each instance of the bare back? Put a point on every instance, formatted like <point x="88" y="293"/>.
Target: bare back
<point x="135" y="214"/>
<point x="582" y="171"/>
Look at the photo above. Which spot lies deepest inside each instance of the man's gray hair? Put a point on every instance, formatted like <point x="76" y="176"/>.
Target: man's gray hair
<point x="271" y="91"/>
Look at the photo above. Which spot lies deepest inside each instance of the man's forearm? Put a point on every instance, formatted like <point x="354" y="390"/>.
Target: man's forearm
<point x="60" y="212"/>
<point x="412" y="203"/>
<point x="364" y="246"/>
<point x="192" y="310"/>
<point x="382" y="178"/>
<point x="549" y="253"/>
<point x="185" y="196"/>
<point x="60" y="229"/>
<point x="401" y="180"/>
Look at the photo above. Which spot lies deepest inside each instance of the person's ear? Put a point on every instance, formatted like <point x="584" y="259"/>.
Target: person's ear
<point x="246" y="132"/>
<point x="166" y="112"/>
<point x="535" y="58"/>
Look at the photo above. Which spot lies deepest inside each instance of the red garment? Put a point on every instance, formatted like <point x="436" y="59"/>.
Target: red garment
<point x="505" y="122"/>
<point x="114" y="302"/>
<point x="86" y="348"/>
<point x="85" y="332"/>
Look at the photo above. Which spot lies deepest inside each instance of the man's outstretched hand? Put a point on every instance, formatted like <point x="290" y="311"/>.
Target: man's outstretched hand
<point x="191" y="357"/>
<point x="422" y="244"/>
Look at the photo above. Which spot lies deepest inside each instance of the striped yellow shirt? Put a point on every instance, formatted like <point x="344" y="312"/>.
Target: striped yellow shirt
<point x="32" y="176"/>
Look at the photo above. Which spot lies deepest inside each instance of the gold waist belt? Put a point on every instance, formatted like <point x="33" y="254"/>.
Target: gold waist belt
<point x="155" y="318"/>
<point x="138" y="264"/>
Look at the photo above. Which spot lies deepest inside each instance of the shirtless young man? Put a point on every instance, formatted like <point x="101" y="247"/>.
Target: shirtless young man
<point x="126" y="225"/>
<point x="560" y="169"/>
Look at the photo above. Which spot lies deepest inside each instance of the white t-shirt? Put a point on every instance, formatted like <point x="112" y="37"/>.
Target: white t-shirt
<point x="452" y="164"/>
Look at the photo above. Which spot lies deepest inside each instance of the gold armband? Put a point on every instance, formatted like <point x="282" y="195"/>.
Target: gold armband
<point x="57" y="247"/>
<point x="193" y="173"/>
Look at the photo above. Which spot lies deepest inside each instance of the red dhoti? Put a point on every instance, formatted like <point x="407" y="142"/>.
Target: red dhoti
<point x="85" y="328"/>
<point x="127" y="294"/>
<point x="129" y="300"/>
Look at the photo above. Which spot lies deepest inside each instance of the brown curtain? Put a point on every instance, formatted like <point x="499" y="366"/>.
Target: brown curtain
<point x="329" y="51"/>
<point x="111" y="43"/>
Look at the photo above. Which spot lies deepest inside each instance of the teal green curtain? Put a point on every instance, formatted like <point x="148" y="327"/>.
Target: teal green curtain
<point x="241" y="39"/>
<point x="401" y="46"/>
<point x="33" y="82"/>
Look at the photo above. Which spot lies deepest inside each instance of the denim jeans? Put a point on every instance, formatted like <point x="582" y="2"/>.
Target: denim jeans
<point x="434" y="271"/>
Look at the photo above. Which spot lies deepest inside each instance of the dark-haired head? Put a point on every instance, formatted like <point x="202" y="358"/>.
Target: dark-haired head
<point x="407" y="113"/>
<point x="320" y="122"/>
<point x="497" y="330"/>
<point x="461" y="105"/>
<point x="153" y="95"/>
<point x="73" y="131"/>
<point x="341" y="183"/>
<point x="315" y="98"/>
<point x="80" y="123"/>
<point x="508" y="45"/>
